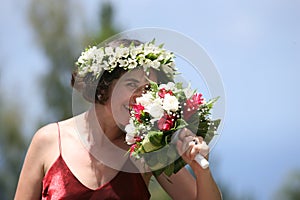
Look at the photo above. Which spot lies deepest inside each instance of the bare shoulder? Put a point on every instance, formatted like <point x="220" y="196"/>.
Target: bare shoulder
<point x="49" y="134"/>
<point x="43" y="141"/>
<point x="46" y="133"/>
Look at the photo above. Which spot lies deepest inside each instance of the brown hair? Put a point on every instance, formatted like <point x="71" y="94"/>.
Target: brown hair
<point x="96" y="91"/>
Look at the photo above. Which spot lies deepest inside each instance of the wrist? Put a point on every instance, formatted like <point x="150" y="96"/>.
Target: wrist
<point x="198" y="170"/>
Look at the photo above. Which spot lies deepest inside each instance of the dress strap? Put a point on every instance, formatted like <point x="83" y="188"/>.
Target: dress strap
<point x="59" y="140"/>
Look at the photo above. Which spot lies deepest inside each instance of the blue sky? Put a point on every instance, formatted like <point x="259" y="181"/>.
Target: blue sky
<point x="254" y="44"/>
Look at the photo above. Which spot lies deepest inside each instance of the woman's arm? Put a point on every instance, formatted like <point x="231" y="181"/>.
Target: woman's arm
<point x="183" y="185"/>
<point x="32" y="173"/>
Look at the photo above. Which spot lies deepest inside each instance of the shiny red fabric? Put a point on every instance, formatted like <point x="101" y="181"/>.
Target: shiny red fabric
<point x="60" y="183"/>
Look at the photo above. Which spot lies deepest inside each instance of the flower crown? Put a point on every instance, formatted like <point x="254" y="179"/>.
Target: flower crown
<point x="94" y="60"/>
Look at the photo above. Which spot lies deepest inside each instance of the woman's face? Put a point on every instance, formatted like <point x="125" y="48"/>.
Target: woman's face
<point x="122" y="91"/>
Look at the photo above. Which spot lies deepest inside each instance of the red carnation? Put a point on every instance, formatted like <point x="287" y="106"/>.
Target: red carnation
<point x="192" y="105"/>
<point x="138" y="139"/>
<point x="165" y="123"/>
<point x="138" y="111"/>
<point x="162" y="92"/>
<point x="133" y="148"/>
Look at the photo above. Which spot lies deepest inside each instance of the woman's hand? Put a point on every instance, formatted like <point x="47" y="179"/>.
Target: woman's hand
<point x="183" y="185"/>
<point x="189" y="145"/>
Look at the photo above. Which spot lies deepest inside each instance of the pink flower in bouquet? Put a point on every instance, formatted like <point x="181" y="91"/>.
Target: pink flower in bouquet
<point x="192" y="105"/>
<point x="133" y="148"/>
<point x="165" y="123"/>
<point x="162" y="92"/>
<point x="138" y="111"/>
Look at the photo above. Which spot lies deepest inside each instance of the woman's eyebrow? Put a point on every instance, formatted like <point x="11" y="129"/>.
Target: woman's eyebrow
<point x="132" y="79"/>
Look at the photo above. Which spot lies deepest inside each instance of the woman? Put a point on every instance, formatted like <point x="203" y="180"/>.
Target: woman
<point x="59" y="165"/>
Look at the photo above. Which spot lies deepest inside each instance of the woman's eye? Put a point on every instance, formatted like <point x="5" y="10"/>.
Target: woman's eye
<point x="132" y="85"/>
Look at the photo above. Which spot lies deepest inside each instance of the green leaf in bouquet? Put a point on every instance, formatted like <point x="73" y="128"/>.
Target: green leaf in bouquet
<point x="211" y="130"/>
<point x="193" y="125"/>
<point x="211" y="102"/>
<point x="202" y="128"/>
<point x="153" y="85"/>
<point x="152" y="141"/>
<point x="179" y="85"/>
<point x="180" y="123"/>
<point x="161" y="45"/>
<point x="155" y="137"/>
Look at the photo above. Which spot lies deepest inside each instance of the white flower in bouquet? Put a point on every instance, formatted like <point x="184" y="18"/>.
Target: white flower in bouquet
<point x="188" y="92"/>
<point x="155" y="110"/>
<point x="131" y="132"/>
<point x="145" y="99"/>
<point x="170" y="103"/>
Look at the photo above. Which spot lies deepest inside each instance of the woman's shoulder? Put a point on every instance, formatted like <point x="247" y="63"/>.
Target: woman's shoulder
<point x="44" y="138"/>
<point x="45" y="141"/>
<point x="50" y="132"/>
<point x="46" y="133"/>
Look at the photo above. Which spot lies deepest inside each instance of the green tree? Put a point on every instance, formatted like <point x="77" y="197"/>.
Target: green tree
<point x="289" y="190"/>
<point x="12" y="146"/>
<point x="51" y="21"/>
<point x="107" y="29"/>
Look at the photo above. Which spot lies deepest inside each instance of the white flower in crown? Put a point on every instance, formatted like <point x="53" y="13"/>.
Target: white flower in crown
<point x="109" y="51"/>
<point x="95" y="60"/>
<point x="132" y="63"/>
<point x="122" y="52"/>
<point x="135" y="51"/>
<point x="123" y="63"/>
<point x="95" y="69"/>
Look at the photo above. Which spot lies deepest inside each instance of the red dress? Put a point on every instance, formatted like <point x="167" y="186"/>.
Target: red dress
<point x="60" y="183"/>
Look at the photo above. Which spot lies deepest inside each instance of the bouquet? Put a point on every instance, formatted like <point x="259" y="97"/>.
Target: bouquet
<point x="157" y="114"/>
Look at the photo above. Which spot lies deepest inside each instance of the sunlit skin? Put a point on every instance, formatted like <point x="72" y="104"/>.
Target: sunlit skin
<point x="91" y="172"/>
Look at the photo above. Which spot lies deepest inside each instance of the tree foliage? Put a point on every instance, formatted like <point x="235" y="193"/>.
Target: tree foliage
<point x="51" y="21"/>
<point x="12" y="147"/>
<point x="289" y="190"/>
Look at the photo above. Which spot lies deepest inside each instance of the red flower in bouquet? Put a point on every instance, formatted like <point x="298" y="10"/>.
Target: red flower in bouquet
<point x="192" y="104"/>
<point x="138" y="111"/>
<point x="133" y="148"/>
<point x="162" y="92"/>
<point x="165" y="123"/>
